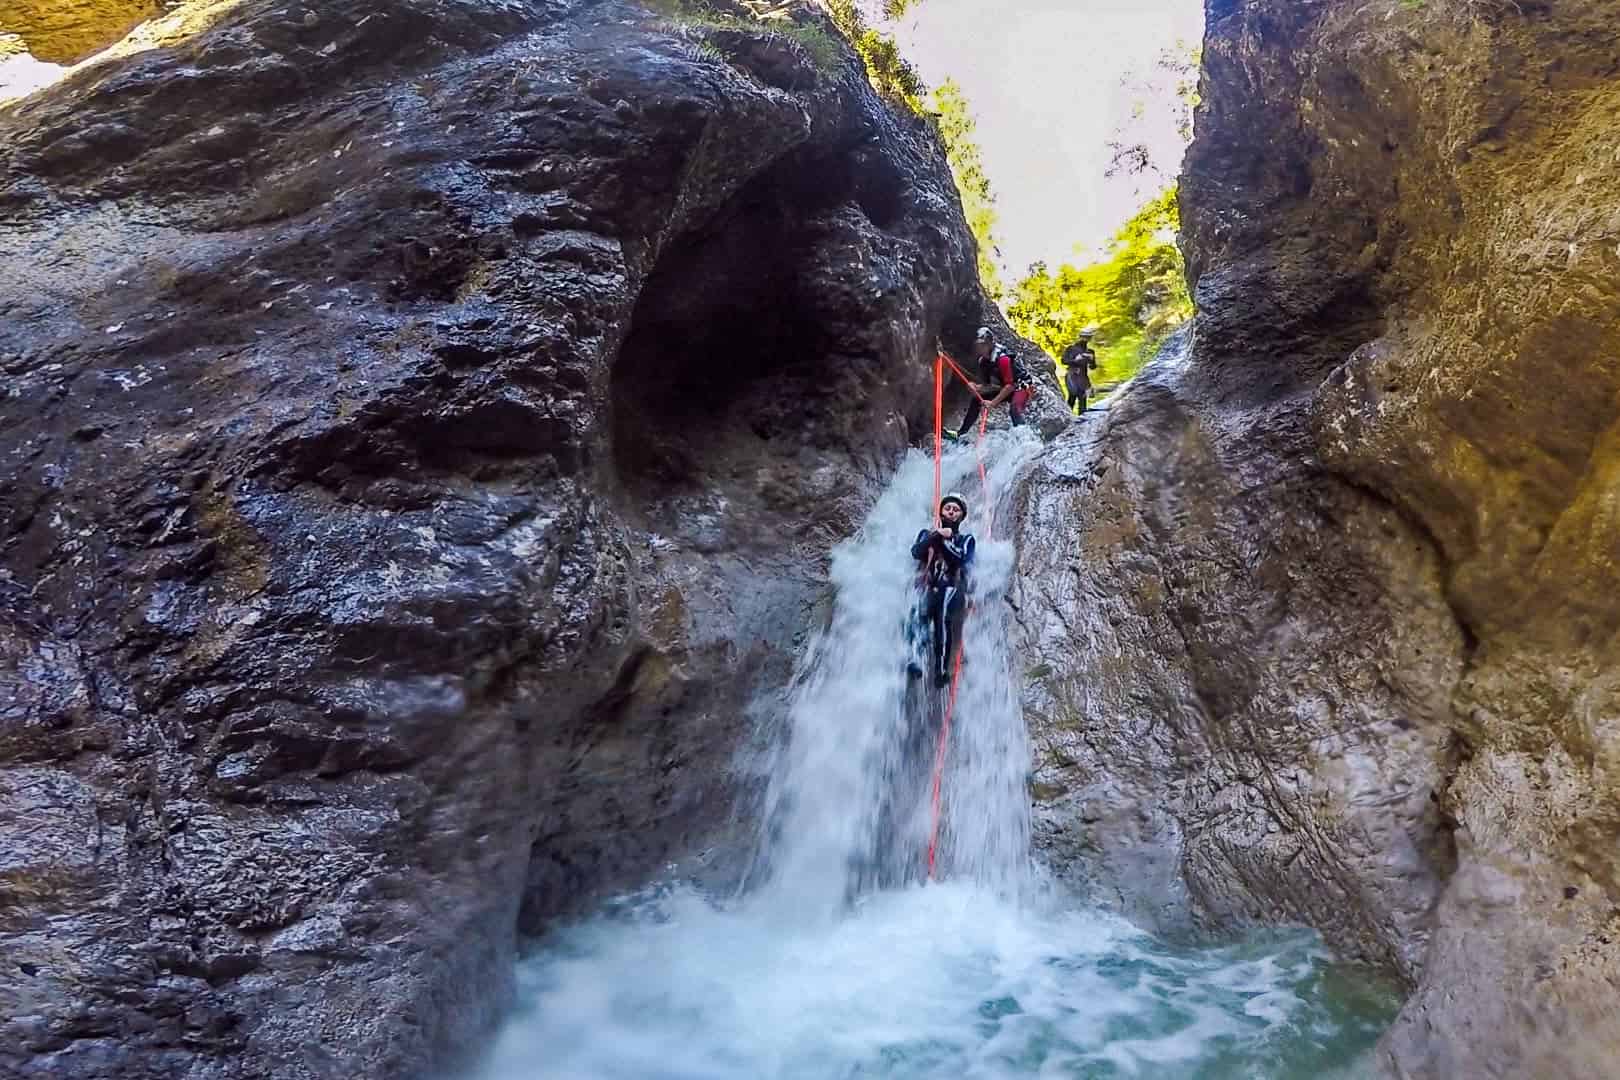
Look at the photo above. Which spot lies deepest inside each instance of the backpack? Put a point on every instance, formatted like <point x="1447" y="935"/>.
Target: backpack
<point x="992" y="367"/>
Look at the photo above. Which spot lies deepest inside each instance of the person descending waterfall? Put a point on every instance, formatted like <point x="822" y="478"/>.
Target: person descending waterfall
<point x="946" y="553"/>
<point x="1000" y="374"/>
<point x="1078" y="360"/>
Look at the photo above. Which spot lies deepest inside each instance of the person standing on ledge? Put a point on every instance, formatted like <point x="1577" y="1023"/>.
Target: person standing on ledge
<point x="1000" y="374"/>
<point x="1078" y="363"/>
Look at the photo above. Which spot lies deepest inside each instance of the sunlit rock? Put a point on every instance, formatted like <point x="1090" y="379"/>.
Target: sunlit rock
<point x="1328" y="600"/>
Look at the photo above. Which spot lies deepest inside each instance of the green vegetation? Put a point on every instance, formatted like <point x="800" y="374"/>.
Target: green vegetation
<point x="773" y="16"/>
<point x="888" y="71"/>
<point x="954" y="124"/>
<point x="1135" y="297"/>
<point x="946" y="108"/>
<point x="1137" y="294"/>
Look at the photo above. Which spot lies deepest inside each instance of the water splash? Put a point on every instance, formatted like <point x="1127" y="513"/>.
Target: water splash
<point x="949" y="979"/>
<point x="849" y="804"/>
<point x="838" y="960"/>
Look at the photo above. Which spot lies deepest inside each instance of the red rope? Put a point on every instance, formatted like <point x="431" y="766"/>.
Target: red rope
<point x="940" y="360"/>
<point x="978" y="447"/>
<point x="939" y="425"/>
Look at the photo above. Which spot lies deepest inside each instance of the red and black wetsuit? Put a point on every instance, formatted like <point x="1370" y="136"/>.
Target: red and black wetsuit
<point x="997" y="371"/>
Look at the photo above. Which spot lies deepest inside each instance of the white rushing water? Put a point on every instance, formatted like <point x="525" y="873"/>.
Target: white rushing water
<point x="850" y="803"/>
<point x="839" y="959"/>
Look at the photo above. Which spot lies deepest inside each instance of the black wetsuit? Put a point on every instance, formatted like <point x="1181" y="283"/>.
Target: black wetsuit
<point x="945" y="563"/>
<point x="1078" y="359"/>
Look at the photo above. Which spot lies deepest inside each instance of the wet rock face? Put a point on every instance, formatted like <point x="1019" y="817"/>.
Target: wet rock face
<point x="1237" y="701"/>
<point x="422" y="425"/>
<point x="1350" y="555"/>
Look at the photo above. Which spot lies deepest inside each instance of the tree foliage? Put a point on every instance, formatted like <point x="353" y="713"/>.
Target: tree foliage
<point x="959" y="135"/>
<point x="1172" y="80"/>
<point x="1134" y="297"/>
<point x="893" y="78"/>
<point x="694" y="21"/>
<point x="888" y="71"/>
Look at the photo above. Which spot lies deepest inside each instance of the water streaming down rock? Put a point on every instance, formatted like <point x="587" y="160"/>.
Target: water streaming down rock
<point x="850" y="801"/>
<point x="836" y="962"/>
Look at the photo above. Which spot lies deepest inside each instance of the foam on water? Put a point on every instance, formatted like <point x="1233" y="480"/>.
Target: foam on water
<point x="838" y="960"/>
<point x="849" y="803"/>
<point x="942" y="980"/>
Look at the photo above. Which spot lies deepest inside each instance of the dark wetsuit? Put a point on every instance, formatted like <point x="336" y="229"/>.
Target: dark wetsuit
<point x="997" y="372"/>
<point x="1078" y="359"/>
<point x="945" y="564"/>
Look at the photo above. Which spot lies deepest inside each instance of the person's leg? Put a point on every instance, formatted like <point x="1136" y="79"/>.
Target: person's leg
<point x="1017" y="404"/>
<point x="917" y="636"/>
<point x="939" y="632"/>
<point x="969" y="418"/>
<point x="953" y="611"/>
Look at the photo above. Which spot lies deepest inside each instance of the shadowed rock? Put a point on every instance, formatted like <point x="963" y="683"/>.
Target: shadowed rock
<point x="423" y="424"/>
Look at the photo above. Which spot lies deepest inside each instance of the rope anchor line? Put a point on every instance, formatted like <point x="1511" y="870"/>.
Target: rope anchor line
<point x="940" y="362"/>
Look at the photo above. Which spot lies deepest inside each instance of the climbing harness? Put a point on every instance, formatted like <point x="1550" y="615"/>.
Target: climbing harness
<point x="940" y="362"/>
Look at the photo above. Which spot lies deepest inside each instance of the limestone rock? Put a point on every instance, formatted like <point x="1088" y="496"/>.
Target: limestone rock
<point x="1329" y="600"/>
<point x="423" y="424"/>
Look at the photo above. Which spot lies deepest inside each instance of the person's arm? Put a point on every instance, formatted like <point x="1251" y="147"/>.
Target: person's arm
<point x="919" y="549"/>
<point x="957" y="550"/>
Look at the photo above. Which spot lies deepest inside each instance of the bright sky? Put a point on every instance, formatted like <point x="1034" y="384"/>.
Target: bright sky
<point x="1043" y="79"/>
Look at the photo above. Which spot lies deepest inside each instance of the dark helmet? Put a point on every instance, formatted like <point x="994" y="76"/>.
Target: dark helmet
<point x="958" y="500"/>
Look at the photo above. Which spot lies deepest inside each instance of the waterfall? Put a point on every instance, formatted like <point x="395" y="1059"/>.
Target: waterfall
<point x="849" y="806"/>
<point x="840" y="959"/>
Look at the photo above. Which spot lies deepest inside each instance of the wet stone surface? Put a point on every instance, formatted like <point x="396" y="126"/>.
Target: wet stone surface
<point x="1327" y="602"/>
<point x="421" y="429"/>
